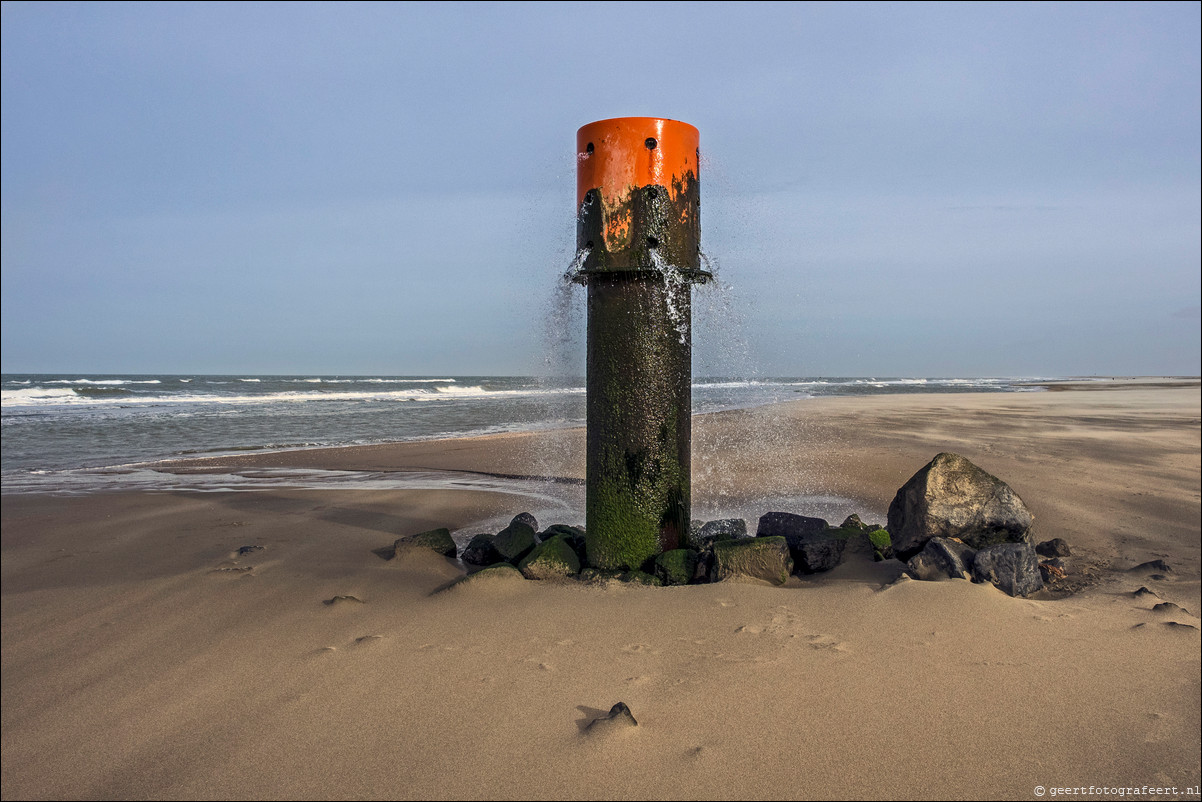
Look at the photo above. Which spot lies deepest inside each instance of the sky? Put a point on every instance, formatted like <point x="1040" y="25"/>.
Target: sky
<point x="888" y="189"/>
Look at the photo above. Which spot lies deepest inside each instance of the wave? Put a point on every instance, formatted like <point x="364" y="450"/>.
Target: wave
<point x="104" y="381"/>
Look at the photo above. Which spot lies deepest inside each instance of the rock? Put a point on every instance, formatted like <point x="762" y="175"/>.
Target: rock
<point x="853" y="522"/>
<point x="676" y="567"/>
<point x="640" y="578"/>
<point x="722" y="529"/>
<point x="815" y="553"/>
<point x="810" y="540"/>
<point x="764" y="558"/>
<point x="552" y="559"/>
<point x="525" y="518"/>
<point x="1012" y="567"/>
<point x="574" y="536"/>
<point x="1153" y="565"/>
<point x="951" y="497"/>
<point x="1056" y="547"/>
<point x="882" y="544"/>
<point x="438" y="540"/>
<point x="602" y="576"/>
<point x="515" y="541"/>
<point x="787" y="524"/>
<point x="942" y="558"/>
<point x="498" y="572"/>
<point x="619" y="717"/>
<point x="1143" y="591"/>
<point x="244" y="550"/>
<point x="481" y="551"/>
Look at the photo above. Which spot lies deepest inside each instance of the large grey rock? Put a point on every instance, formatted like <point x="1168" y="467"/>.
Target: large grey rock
<point x="951" y="497"/>
<point x="552" y="559"/>
<point x="438" y="540"/>
<point x="481" y="551"/>
<point x="515" y="541"/>
<point x="1056" y="547"/>
<point x="942" y="558"/>
<point x="1012" y="567"/>
<point x="764" y="558"/>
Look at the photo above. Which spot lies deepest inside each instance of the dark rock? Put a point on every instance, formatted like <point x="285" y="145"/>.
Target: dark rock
<point x="942" y="558"/>
<point x="244" y="550"/>
<point x="552" y="559"/>
<point x="853" y="522"/>
<point x="1143" y="591"/>
<point x="1056" y="547"/>
<point x="701" y="573"/>
<point x="676" y="567"/>
<point x="787" y="524"/>
<point x="1154" y="565"/>
<point x="481" y="551"/>
<point x="1011" y="567"/>
<point x="573" y="535"/>
<point x="812" y="543"/>
<point x="705" y="536"/>
<point x="515" y="541"/>
<point x="764" y="558"/>
<point x="525" y="518"/>
<point x="438" y="540"/>
<point x="951" y="497"/>
<point x="815" y="553"/>
<point x="619" y="716"/>
<point x="1178" y="624"/>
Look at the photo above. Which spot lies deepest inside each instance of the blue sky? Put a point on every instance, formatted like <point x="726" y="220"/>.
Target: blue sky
<point x="906" y="189"/>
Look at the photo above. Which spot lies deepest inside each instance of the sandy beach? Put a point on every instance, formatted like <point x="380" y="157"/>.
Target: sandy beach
<point x="145" y="657"/>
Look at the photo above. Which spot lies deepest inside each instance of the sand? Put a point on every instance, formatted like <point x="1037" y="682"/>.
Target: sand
<point x="144" y="657"/>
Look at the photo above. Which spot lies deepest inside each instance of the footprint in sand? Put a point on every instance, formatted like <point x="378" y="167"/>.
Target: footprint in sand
<point x="827" y="642"/>
<point x="235" y="570"/>
<point x="641" y="680"/>
<point x="749" y="629"/>
<point x="638" y="648"/>
<point x="365" y="639"/>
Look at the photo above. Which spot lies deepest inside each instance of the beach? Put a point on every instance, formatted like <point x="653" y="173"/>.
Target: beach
<point x="145" y="656"/>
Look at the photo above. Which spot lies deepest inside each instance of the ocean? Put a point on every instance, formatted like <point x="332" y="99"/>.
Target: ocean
<point x="85" y="433"/>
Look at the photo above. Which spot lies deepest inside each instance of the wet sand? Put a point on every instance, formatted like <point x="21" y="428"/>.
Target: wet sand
<point x="143" y="656"/>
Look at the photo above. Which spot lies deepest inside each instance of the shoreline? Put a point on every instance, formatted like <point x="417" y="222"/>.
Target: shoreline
<point x="145" y="656"/>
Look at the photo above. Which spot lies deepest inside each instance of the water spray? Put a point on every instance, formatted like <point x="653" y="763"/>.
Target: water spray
<point x="638" y="237"/>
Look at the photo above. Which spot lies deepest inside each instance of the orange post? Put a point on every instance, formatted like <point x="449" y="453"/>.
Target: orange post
<point x="638" y="229"/>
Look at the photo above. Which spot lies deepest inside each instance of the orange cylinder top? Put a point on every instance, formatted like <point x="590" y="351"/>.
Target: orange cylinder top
<point x="625" y="153"/>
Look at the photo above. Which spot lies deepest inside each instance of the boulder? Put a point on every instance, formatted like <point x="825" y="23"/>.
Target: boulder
<point x="815" y="553"/>
<point x="853" y="522"/>
<point x="811" y="543"/>
<point x="1012" y="567"/>
<point x="764" y="558"/>
<point x="574" y="536"/>
<point x="525" y="518"/>
<point x="882" y="544"/>
<point x="676" y="567"/>
<point x="1056" y="547"/>
<point x="787" y="524"/>
<point x="711" y="532"/>
<point x="552" y="559"/>
<point x="942" y="558"/>
<point x="515" y="541"/>
<point x="481" y="551"/>
<point x="950" y="497"/>
<point x="438" y="540"/>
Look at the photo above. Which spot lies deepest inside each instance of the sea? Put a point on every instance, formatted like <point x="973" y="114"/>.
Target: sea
<point x="78" y="433"/>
